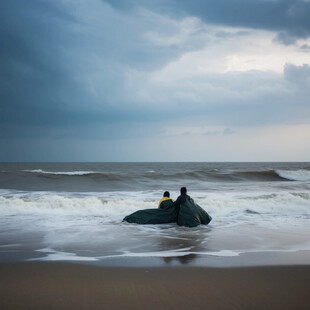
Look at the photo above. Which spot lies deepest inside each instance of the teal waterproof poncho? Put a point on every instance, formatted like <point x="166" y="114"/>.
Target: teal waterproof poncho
<point x="188" y="214"/>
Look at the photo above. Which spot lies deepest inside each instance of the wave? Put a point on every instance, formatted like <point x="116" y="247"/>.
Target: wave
<point x="218" y="175"/>
<point x="40" y="171"/>
<point x="113" y="209"/>
<point x="255" y="175"/>
<point x="295" y="203"/>
<point x="294" y="175"/>
<point x="213" y="175"/>
<point x="62" y="175"/>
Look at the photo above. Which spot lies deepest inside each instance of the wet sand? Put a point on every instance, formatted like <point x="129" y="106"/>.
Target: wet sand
<point x="76" y="286"/>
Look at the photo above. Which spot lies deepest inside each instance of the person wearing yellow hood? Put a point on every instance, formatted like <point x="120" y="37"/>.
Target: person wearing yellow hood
<point x="166" y="201"/>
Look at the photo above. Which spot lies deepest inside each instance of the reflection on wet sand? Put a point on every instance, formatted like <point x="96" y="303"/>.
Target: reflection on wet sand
<point x="181" y="259"/>
<point x="186" y="240"/>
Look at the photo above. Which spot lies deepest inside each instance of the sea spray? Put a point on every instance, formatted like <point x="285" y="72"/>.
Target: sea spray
<point x="292" y="203"/>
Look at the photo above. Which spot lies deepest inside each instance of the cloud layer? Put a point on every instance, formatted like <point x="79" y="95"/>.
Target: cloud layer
<point x="125" y="73"/>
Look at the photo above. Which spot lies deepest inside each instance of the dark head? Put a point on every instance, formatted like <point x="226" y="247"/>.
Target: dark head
<point x="166" y="194"/>
<point x="183" y="190"/>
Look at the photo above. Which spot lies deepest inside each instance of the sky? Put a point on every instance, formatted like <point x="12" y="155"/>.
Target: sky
<point x="154" y="80"/>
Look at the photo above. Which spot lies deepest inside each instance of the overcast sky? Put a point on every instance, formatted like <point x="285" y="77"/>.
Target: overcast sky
<point x="154" y="80"/>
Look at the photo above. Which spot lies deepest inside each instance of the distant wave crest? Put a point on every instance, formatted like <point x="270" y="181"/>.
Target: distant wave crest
<point x="294" y="175"/>
<point x="40" y="171"/>
<point x="205" y="175"/>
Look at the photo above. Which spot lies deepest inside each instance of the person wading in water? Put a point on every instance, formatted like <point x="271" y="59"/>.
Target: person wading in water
<point x="166" y="201"/>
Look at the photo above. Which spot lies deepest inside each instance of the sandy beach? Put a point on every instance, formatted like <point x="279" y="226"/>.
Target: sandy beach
<point x="76" y="286"/>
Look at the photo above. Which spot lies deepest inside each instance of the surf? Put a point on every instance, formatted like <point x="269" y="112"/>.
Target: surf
<point x="114" y="206"/>
<point x="294" y="175"/>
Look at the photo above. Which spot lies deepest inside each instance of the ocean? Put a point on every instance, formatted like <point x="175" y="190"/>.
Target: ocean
<point x="74" y="211"/>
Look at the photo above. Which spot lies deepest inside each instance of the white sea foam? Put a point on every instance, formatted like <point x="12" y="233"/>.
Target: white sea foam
<point x="52" y="255"/>
<point x="114" y="208"/>
<point x="62" y="172"/>
<point x="175" y="253"/>
<point x="281" y="203"/>
<point x="294" y="175"/>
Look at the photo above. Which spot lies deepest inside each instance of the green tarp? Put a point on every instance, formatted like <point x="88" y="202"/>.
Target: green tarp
<point x="192" y="215"/>
<point x="188" y="214"/>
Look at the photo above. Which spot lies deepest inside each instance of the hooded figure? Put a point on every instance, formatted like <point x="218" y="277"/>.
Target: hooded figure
<point x="166" y="201"/>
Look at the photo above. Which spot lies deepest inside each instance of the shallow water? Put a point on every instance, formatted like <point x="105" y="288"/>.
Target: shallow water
<point x="74" y="211"/>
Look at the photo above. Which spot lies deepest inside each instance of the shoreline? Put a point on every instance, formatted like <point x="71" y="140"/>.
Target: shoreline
<point x="50" y="285"/>
<point x="219" y="259"/>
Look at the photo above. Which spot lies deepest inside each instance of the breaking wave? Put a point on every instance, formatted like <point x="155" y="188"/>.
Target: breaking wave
<point x="213" y="174"/>
<point x="297" y="203"/>
<point x="294" y="175"/>
<point x="71" y="173"/>
<point x="97" y="178"/>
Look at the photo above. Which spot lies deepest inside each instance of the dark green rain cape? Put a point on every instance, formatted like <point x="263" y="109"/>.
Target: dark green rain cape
<point x="188" y="214"/>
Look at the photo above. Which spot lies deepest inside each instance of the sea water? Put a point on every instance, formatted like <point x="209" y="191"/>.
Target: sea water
<point x="74" y="211"/>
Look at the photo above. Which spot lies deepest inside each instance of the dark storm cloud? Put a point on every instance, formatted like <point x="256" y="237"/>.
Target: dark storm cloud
<point x="64" y="65"/>
<point x="80" y="69"/>
<point x="33" y="68"/>
<point x="288" y="17"/>
<point x="40" y="57"/>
